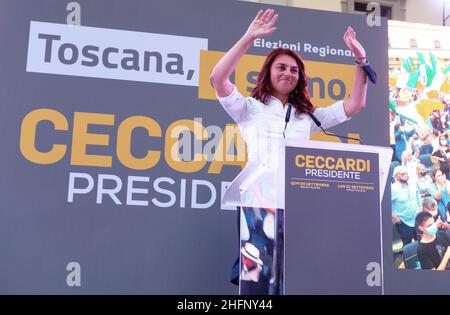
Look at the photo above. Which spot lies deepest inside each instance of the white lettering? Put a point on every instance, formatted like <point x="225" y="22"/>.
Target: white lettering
<point x="72" y="190"/>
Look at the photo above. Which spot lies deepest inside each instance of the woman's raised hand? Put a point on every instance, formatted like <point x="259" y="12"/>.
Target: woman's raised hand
<point x="353" y="44"/>
<point x="263" y="24"/>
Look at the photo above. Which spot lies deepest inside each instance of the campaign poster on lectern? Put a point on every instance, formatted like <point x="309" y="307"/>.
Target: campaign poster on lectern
<point x="332" y="215"/>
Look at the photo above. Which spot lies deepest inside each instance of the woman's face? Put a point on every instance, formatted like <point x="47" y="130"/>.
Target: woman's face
<point x="284" y="74"/>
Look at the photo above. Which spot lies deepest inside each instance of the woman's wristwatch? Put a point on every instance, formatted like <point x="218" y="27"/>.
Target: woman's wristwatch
<point x="364" y="63"/>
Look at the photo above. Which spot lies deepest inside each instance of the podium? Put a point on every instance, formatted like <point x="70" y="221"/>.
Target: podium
<point x="331" y="223"/>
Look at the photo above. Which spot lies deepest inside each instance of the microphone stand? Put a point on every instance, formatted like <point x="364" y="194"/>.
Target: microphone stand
<point x="319" y="124"/>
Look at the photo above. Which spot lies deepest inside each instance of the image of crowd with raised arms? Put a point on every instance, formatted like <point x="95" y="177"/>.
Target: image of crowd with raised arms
<point x="419" y="100"/>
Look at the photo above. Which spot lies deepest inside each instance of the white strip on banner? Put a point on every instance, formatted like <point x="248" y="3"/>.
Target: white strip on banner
<point x="114" y="54"/>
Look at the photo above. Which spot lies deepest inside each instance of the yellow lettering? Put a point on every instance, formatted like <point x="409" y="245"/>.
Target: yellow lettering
<point x="360" y="165"/>
<point x="299" y="158"/>
<point x="320" y="162"/>
<point x="351" y="164"/>
<point x="329" y="163"/>
<point x="124" y="134"/>
<point x="340" y="164"/>
<point x="28" y="136"/>
<point x="310" y="161"/>
<point x="81" y="139"/>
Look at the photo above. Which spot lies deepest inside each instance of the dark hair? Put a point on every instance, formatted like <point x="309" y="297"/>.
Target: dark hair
<point x="436" y="132"/>
<point x="429" y="201"/>
<point x="299" y="97"/>
<point x="421" y="217"/>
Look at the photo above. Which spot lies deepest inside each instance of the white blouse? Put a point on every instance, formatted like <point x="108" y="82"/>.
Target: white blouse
<point x="262" y="127"/>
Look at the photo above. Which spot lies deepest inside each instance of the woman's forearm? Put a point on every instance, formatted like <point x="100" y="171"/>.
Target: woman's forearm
<point x="220" y="76"/>
<point x="357" y="98"/>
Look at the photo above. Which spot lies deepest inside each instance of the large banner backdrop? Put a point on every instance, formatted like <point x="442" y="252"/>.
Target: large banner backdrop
<point x="115" y="151"/>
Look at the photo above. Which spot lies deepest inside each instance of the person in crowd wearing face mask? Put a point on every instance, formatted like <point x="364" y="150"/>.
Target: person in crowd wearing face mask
<point x="405" y="204"/>
<point x="429" y="204"/>
<point x="433" y="250"/>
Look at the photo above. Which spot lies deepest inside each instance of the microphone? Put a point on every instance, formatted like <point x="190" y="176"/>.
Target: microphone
<point x="319" y="124"/>
<point x="287" y="118"/>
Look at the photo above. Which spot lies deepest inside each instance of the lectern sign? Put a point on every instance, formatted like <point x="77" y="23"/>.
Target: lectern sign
<point x="332" y="221"/>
